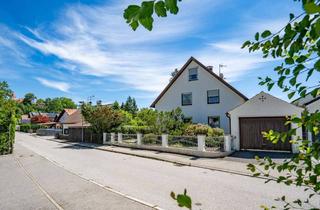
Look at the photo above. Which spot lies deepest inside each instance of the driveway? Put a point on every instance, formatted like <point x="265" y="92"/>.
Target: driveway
<point x="152" y="180"/>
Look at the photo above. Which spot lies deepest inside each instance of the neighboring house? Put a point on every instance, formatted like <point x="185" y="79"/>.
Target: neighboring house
<point x="51" y="115"/>
<point x="64" y="115"/>
<point x="25" y="119"/>
<point x="312" y="105"/>
<point x="263" y="112"/>
<point x="201" y="94"/>
<point x="73" y="120"/>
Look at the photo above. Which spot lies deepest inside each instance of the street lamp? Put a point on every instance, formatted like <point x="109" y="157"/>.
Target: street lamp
<point x="81" y="104"/>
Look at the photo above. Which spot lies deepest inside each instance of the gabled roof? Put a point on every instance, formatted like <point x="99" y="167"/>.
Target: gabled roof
<point x="74" y="118"/>
<point x="313" y="100"/>
<point x="205" y="68"/>
<point x="268" y="95"/>
<point x="68" y="111"/>
<point x="306" y="100"/>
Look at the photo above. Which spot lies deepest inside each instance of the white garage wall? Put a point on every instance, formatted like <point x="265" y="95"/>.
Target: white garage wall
<point x="313" y="107"/>
<point x="200" y="110"/>
<point x="262" y="105"/>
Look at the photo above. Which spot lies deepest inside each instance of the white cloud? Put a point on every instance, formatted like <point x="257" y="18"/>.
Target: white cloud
<point x="62" y="86"/>
<point x="95" y="40"/>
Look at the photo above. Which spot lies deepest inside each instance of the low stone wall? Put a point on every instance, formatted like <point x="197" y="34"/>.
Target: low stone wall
<point x="48" y="132"/>
<point x="75" y="135"/>
<point x="182" y="151"/>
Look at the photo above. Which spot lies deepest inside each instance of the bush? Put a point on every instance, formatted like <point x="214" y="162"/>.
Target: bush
<point x="30" y="127"/>
<point x="215" y="132"/>
<point x="201" y="129"/>
<point x="149" y="139"/>
<point x="130" y="129"/>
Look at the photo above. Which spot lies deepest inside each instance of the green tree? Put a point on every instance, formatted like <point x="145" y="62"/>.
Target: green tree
<point x="101" y="118"/>
<point x="297" y="44"/>
<point x="29" y="99"/>
<point x="58" y="104"/>
<point x="7" y="119"/>
<point x="116" y="105"/>
<point x="130" y="105"/>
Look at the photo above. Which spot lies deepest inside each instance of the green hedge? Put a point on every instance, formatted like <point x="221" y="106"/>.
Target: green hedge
<point x="131" y="129"/>
<point x="7" y="136"/>
<point x="30" y="127"/>
<point x="201" y="129"/>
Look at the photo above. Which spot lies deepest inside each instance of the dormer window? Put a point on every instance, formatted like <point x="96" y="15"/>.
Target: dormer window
<point x="193" y="74"/>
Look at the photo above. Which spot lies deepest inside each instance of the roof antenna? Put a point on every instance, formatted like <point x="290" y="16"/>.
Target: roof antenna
<point x="220" y="73"/>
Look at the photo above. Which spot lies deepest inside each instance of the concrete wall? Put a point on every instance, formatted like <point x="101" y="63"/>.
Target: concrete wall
<point x="200" y="110"/>
<point x="270" y="106"/>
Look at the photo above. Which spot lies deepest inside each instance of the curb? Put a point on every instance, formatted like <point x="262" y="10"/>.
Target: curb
<point x="159" y="159"/>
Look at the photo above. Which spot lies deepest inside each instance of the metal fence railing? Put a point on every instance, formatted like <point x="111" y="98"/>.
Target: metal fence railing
<point x="129" y="138"/>
<point x="190" y="142"/>
<point x="213" y="143"/>
<point x="151" y="139"/>
<point x="206" y="143"/>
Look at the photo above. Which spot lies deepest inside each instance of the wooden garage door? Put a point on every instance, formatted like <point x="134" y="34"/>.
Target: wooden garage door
<point x="251" y="137"/>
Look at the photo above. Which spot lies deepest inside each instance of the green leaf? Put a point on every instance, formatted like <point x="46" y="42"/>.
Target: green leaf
<point x="289" y="61"/>
<point x="317" y="65"/>
<point x="184" y="200"/>
<point x="280" y="81"/>
<point x="146" y="10"/>
<point x="265" y="34"/>
<point x="301" y="59"/>
<point x="311" y="8"/>
<point x="172" y="6"/>
<point x="160" y="9"/>
<point x="290" y="95"/>
<point x="131" y="12"/>
<point x="291" y="16"/>
<point x="293" y="81"/>
<point x="147" y="22"/>
<point x="134" y="25"/>
<point x="256" y="36"/>
<point x="246" y="43"/>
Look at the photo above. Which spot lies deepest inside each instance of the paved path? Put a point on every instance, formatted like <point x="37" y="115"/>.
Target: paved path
<point x="152" y="180"/>
<point x="28" y="181"/>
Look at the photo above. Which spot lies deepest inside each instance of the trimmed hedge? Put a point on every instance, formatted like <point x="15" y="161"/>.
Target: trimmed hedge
<point x="132" y="129"/>
<point x="7" y="136"/>
<point x="30" y="127"/>
<point x="201" y="129"/>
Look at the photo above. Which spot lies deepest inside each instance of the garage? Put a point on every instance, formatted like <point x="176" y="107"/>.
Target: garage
<point x="251" y="129"/>
<point x="263" y="112"/>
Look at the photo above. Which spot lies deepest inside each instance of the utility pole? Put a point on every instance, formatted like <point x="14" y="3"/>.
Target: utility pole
<point x="81" y="103"/>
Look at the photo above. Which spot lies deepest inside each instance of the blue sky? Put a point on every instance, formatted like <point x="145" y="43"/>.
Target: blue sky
<point x="84" y="47"/>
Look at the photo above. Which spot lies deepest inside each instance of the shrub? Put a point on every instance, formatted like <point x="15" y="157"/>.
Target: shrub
<point x="130" y="129"/>
<point x="30" y="127"/>
<point x="215" y="132"/>
<point x="201" y="129"/>
<point x="149" y="139"/>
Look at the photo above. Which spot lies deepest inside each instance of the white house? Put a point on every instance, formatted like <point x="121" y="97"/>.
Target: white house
<point x="263" y="112"/>
<point x="201" y="94"/>
<point x="312" y="105"/>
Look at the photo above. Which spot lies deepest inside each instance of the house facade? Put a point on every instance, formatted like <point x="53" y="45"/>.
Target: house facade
<point x="262" y="113"/>
<point x="202" y="95"/>
<point x="312" y="105"/>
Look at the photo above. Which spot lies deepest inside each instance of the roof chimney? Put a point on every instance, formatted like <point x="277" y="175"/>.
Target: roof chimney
<point x="210" y="68"/>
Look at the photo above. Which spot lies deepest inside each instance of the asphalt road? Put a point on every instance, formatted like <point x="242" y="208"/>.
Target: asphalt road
<point x="152" y="181"/>
<point x="29" y="181"/>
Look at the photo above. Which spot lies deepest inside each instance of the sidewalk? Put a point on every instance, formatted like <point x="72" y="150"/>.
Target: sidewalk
<point x="29" y="181"/>
<point x="218" y="164"/>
